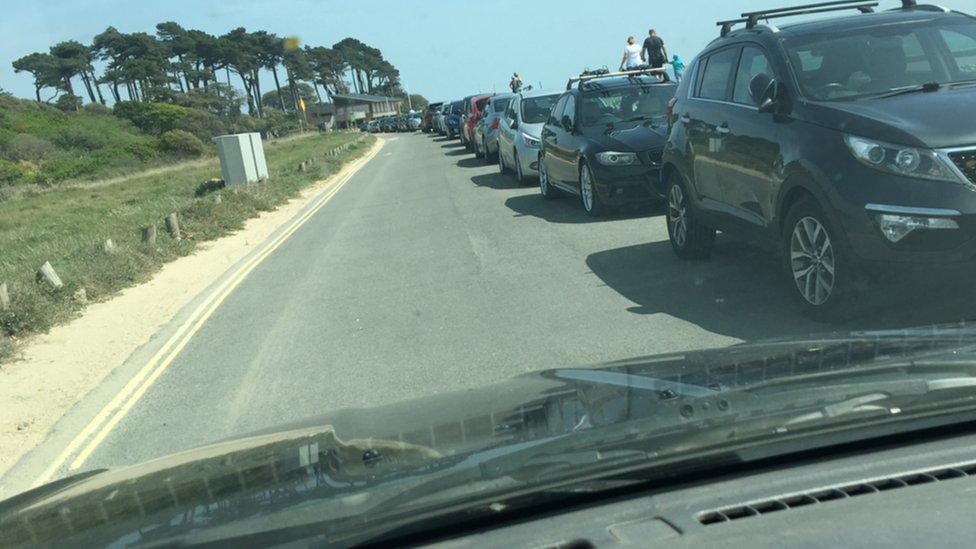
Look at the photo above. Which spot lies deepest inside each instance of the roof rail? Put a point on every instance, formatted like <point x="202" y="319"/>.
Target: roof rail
<point x="588" y="75"/>
<point x="751" y="19"/>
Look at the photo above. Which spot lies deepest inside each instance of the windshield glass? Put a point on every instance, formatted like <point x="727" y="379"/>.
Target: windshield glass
<point x="876" y="60"/>
<point x="621" y="104"/>
<point x="535" y="110"/>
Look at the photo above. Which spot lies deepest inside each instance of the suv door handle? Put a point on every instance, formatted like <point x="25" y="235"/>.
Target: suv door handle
<point x="724" y="129"/>
<point x="685" y="119"/>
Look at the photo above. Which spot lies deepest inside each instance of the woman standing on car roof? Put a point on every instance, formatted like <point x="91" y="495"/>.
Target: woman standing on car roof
<point x="632" y="55"/>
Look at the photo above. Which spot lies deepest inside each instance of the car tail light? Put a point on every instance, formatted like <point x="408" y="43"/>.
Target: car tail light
<point x="495" y="122"/>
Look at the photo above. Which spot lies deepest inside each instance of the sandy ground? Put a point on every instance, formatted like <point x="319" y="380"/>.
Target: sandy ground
<point x="59" y="368"/>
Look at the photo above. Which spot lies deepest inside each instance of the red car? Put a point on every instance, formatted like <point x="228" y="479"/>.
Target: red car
<point x="472" y="112"/>
<point x="427" y="125"/>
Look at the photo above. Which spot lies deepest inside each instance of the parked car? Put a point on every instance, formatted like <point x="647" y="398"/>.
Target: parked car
<point x="486" y="144"/>
<point x="415" y="121"/>
<point x="437" y="122"/>
<point x="841" y="143"/>
<point x="427" y="124"/>
<point x="520" y="133"/>
<point x="373" y="126"/>
<point x="473" y="111"/>
<point x="452" y="120"/>
<point x="603" y="141"/>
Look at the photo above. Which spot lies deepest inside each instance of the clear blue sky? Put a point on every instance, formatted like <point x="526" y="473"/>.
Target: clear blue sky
<point x="444" y="48"/>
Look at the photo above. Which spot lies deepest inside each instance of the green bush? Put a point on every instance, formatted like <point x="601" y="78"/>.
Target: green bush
<point x="10" y="173"/>
<point x="154" y="118"/>
<point x="182" y="143"/>
<point x="82" y="138"/>
<point x="96" y="108"/>
<point x="68" y="103"/>
<point x="25" y="146"/>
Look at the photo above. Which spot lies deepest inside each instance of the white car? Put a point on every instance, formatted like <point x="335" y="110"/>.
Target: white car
<point x="519" y="135"/>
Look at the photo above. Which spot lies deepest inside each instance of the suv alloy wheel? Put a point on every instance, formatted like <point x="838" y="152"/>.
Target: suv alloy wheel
<point x="815" y="260"/>
<point x="690" y="239"/>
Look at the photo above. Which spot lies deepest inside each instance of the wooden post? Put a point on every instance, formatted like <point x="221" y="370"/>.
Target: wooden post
<point x="47" y="274"/>
<point x="173" y="225"/>
<point x="4" y="297"/>
<point x="108" y="246"/>
<point x="149" y="235"/>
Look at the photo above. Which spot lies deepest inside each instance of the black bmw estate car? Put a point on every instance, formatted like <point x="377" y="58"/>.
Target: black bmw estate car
<point x="604" y="139"/>
<point x="847" y="143"/>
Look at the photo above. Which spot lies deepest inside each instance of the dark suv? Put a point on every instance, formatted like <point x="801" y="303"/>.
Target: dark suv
<point x="847" y="143"/>
<point x="604" y="139"/>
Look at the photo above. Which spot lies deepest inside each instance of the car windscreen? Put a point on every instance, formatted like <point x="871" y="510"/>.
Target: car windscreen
<point x="623" y="104"/>
<point x="879" y="59"/>
<point x="535" y="110"/>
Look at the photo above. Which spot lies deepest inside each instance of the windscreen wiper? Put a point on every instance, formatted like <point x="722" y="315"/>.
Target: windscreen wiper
<point x="928" y="87"/>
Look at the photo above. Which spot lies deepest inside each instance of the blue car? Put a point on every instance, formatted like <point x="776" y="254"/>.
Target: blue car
<point x="453" y="119"/>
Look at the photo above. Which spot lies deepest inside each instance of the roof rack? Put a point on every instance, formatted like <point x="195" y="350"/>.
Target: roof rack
<point x="751" y="19"/>
<point x="588" y="75"/>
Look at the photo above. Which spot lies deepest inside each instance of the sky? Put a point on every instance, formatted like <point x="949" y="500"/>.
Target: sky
<point x="444" y="49"/>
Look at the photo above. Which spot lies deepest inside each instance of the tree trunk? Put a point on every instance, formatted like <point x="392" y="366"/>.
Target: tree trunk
<point x="88" y="86"/>
<point x="179" y="83"/>
<point x="281" y="100"/>
<point x="247" y="91"/>
<point x="256" y="81"/>
<point x="37" y="93"/>
<point x="67" y="85"/>
<point x="98" y="89"/>
<point x="318" y="95"/>
<point x="115" y="91"/>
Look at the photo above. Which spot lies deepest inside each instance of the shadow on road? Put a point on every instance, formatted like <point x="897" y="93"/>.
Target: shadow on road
<point x="496" y="181"/>
<point x="471" y="162"/>
<point x="740" y="293"/>
<point x="569" y="210"/>
<point x="452" y="144"/>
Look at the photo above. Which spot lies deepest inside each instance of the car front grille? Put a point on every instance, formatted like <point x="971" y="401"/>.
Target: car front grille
<point x="966" y="162"/>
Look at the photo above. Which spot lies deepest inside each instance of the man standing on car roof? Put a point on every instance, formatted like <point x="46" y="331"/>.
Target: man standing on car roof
<point x="516" y="83"/>
<point x="655" y="53"/>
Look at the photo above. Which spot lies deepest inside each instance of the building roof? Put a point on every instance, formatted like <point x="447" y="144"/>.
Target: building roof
<point x="366" y="98"/>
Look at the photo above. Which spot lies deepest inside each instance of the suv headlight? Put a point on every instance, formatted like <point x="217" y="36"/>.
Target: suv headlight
<point x="531" y="141"/>
<point x="611" y="158"/>
<point x="901" y="160"/>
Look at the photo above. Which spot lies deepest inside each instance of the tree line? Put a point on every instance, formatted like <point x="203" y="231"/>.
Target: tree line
<point x="144" y="67"/>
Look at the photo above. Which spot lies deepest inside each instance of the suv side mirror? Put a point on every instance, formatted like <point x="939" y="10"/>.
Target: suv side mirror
<point x="513" y="123"/>
<point x="764" y="90"/>
<point x="567" y="123"/>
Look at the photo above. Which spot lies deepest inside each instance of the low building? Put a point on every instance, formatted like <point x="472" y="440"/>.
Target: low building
<point x="351" y="108"/>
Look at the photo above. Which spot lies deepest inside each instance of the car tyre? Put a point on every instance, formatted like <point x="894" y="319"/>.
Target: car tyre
<point x="690" y="238"/>
<point x="545" y="187"/>
<point x="519" y="174"/>
<point x="821" y="275"/>
<point x="589" y="198"/>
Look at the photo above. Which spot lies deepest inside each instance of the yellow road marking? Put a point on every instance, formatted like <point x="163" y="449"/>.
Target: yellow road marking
<point x="130" y="394"/>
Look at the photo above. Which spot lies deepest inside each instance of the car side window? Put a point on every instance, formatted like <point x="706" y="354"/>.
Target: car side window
<point x="556" y="113"/>
<point x="570" y="110"/>
<point x="962" y="47"/>
<point x="716" y="74"/>
<point x="752" y="63"/>
<point x="512" y="109"/>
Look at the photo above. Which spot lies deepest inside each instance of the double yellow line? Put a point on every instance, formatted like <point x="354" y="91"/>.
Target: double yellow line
<point x="97" y="430"/>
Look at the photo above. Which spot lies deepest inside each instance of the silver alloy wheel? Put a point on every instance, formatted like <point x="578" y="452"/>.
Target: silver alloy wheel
<point x="586" y="188"/>
<point x="678" y="216"/>
<point x="812" y="260"/>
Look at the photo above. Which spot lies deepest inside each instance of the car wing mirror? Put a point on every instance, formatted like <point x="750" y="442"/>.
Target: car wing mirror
<point x="764" y="90"/>
<point x="567" y="123"/>
<point x="513" y="123"/>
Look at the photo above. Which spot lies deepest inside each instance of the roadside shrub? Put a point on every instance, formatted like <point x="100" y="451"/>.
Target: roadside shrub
<point x="25" y="146"/>
<point x="143" y="150"/>
<point x="10" y="173"/>
<point x="154" y="118"/>
<point x="96" y="108"/>
<point x="68" y="103"/>
<point x="202" y="124"/>
<point x="182" y="143"/>
<point x="76" y="137"/>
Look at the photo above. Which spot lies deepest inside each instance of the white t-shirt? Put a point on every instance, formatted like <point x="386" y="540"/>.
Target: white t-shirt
<point x="632" y="51"/>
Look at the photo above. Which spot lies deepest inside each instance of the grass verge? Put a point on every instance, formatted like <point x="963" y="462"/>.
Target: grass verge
<point x="68" y="227"/>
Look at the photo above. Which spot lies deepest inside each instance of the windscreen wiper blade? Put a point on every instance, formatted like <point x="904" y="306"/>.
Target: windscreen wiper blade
<point x="928" y="87"/>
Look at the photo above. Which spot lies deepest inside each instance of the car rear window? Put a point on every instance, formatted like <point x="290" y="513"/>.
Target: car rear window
<point x="499" y="105"/>
<point x="535" y="110"/>
<point x="627" y="103"/>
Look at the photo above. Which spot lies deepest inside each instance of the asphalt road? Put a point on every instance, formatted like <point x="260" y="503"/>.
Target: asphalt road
<point x="430" y="272"/>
